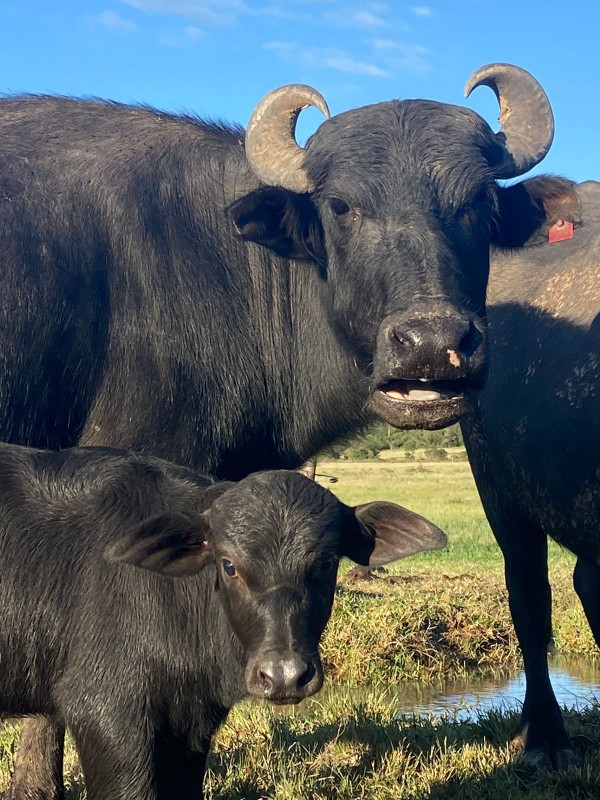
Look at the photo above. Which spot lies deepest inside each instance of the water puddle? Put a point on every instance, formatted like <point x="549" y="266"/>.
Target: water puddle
<point x="576" y="684"/>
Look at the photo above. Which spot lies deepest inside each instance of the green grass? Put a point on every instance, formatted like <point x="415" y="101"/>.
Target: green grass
<point x="442" y="491"/>
<point x="346" y="750"/>
<point x="343" y="750"/>
<point x="436" y="616"/>
<point x="445" y="493"/>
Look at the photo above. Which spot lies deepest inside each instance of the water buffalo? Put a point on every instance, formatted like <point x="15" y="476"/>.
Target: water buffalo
<point x="233" y="302"/>
<point x="534" y="441"/>
<point x="141" y="667"/>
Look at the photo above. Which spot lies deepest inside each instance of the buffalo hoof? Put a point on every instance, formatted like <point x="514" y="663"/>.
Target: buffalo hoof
<point x="359" y="574"/>
<point x="540" y="760"/>
<point x="365" y="573"/>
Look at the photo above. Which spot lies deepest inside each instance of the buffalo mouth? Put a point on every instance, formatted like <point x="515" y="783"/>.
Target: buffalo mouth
<point x="286" y="700"/>
<point x="420" y="403"/>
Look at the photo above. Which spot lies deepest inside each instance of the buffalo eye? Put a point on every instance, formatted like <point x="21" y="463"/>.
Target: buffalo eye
<point x="339" y="207"/>
<point x="228" y="568"/>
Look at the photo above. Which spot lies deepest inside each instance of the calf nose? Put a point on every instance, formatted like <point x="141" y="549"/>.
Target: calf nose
<point x="285" y="677"/>
<point x="432" y="346"/>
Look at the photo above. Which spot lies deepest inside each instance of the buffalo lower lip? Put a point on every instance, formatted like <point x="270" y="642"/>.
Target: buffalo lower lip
<point x="405" y="414"/>
<point x="285" y="701"/>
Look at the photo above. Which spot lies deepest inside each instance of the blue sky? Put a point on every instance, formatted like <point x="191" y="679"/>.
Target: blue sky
<point x="219" y="57"/>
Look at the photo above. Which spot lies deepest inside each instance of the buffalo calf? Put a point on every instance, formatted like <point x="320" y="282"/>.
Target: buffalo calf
<point x="141" y="601"/>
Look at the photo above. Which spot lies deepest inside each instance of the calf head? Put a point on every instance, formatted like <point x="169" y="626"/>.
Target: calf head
<point x="393" y="203"/>
<point x="276" y="539"/>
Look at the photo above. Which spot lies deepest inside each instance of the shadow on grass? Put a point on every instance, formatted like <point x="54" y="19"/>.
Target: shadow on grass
<point x="372" y="755"/>
<point x="450" y="759"/>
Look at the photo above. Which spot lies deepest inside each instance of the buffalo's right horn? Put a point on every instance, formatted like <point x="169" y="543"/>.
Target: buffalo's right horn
<point x="526" y="120"/>
<point x="271" y="147"/>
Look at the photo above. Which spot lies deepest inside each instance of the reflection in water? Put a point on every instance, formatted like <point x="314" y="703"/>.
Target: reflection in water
<point x="576" y="685"/>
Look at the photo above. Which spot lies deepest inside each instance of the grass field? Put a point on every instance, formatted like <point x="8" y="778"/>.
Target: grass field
<point x="435" y="616"/>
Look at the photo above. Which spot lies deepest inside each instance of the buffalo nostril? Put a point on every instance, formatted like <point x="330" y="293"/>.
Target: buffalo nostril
<point x="266" y="679"/>
<point x="285" y="676"/>
<point x="401" y="338"/>
<point x="470" y="341"/>
<point x="307" y="676"/>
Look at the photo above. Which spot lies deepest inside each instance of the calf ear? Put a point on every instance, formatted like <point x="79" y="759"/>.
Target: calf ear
<point x="171" y="544"/>
<point x="377" y="533"/>
<point x="280" y="220"/>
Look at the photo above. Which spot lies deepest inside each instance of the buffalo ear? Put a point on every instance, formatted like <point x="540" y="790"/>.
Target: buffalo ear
<point x="170" y="544"/>
<point x="377" y="533"/>
<point x="279" y="220"/>
<point x="528" y="209"/>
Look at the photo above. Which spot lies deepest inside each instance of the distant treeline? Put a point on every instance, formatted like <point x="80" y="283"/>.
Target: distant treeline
<point x="380" y="436"/>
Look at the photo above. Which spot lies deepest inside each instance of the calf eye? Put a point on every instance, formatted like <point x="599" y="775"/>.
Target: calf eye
<point x="338" y="206"/>
<point x="228" y="568"/>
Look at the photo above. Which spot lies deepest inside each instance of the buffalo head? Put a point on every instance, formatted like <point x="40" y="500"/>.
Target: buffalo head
<point x="274" y="540"/>
<point x="395" y="204"/>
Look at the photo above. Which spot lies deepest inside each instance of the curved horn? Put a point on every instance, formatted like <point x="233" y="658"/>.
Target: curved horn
<point x="526" y="120"/>
<point x="271" y="146"/>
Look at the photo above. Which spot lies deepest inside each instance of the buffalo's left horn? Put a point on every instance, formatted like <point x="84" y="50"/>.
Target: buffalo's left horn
<point x="526" y="120"/>
<point x="271" y="147"/>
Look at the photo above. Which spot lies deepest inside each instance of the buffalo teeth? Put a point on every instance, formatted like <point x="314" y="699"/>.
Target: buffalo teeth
<point x="424" y="394"/>
<point x="394" y="394"/>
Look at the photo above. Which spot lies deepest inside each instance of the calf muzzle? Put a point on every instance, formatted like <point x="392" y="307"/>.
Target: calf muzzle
<point x="284" y="678"/>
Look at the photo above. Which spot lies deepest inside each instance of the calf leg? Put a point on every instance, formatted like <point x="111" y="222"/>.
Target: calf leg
<point x="38" y="771"/>
<point x="116" y="757"/>
<point x="586" y="580"/>
<point x="542" y="730"/>
<point x="124" y="761"/>
<point x="180" y="771"/>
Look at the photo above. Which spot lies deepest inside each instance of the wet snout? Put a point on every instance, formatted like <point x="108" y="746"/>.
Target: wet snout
<point x="284" y="677"/>
<point x="431" y="347"/>
<point x="424" y="362"/>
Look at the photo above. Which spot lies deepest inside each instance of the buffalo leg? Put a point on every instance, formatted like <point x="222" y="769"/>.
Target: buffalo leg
<point x="586" y="580"/>
<point x="542" y="731"/>
<point x="38" y="772"/>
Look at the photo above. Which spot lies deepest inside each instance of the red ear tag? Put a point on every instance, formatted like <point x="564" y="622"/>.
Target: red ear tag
<point x="561" y="230"/>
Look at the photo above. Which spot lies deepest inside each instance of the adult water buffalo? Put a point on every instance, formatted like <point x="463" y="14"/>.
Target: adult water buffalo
<point x="534" y="442"/>
<point x="235" y="302"/>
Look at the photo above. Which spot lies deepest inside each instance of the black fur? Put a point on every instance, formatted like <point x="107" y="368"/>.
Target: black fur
<point x="137" y="310"/>
<point x="141" y="666"/>
<point x="132" y="308"/>
<point x="534" y="440"/>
